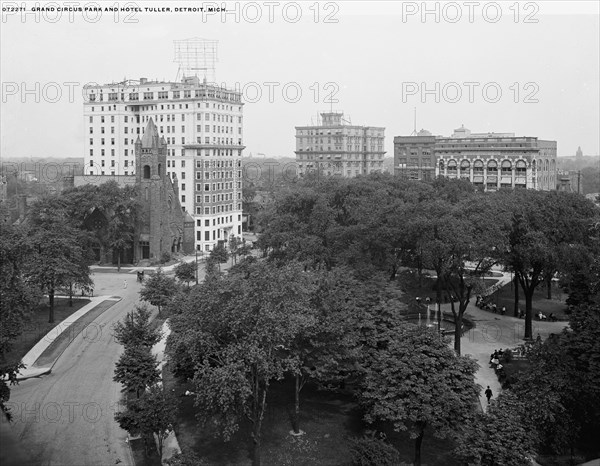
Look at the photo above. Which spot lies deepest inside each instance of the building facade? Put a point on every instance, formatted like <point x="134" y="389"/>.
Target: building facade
<point x="488" y="160"/>
<point x="203" y="128"/>
<point x="336" y="147"/>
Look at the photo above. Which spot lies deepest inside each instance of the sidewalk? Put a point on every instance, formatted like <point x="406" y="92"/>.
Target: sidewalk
<point x="493" y="332"/>
<point x="170" y="444"/>
<point x="40" y="359"/>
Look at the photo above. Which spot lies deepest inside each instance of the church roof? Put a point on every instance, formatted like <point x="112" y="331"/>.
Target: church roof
<point x="150" y="137"/>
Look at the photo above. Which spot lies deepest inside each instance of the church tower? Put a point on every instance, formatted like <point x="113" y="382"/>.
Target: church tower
<point x="151" y="161"/>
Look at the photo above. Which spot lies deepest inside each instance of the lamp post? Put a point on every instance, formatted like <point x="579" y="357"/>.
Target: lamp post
<point x="196" y="265"/>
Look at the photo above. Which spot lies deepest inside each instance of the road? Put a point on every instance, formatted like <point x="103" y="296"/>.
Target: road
<point x="66" y="417"/>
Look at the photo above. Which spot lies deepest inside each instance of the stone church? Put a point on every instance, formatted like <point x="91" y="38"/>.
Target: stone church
<point x="162" y="225"/>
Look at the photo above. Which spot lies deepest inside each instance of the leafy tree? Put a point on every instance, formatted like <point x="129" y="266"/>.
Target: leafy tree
<point x="186" y="272"/>
<point x="136" y="330"/>
<point x="234" y="329"/>
<point x="19" y="297"/>
<point x="158" y="289"/>
<point x="61" y="258"/>
<point x="541" y="225"/>
<point x="234" y="245"/>
<point x="219" y="255"/>
<point x="456" y="246"/>
<point x="136" y="369"/>
<point x="154" y="413"/>
<point x="417" y="383"/>
<point x="498" y="437"/>
<point x="327" y="343"/>
<point x="119" y="207"/>
<point x="562" y="388"/>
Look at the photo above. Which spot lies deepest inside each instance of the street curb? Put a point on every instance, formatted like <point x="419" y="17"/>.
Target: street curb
<point x="38" y="372"/>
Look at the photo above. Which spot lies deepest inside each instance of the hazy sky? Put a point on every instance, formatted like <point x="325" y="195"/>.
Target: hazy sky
<point x="379" y="56"/>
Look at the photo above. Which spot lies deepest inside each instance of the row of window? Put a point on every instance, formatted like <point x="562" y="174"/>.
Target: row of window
<point x="217" y="221"/>
<point x="216" y="209"/>
<point x="163" y="95"/>
<point x="217" y="198"/>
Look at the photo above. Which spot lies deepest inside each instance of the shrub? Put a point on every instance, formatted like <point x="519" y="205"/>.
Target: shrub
<point x="372" y="451"/>
<point x="165" y="257"/>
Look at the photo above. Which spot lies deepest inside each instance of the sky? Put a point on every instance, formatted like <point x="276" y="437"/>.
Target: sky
<point x="529" y="68"/>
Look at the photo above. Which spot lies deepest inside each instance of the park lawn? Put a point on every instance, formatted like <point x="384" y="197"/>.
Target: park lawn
<point x="557" y="305"/>
<point x="38" y="326"/>
<point x="328" y="419"/>
<point x="408" y="281"/>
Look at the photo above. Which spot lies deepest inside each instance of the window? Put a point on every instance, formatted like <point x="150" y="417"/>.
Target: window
<point x="183" y="198"/>
<point x="146" y="171"/>
<point x="183" y="175"/>
<point x="91" y="130"/>
<point x="148" y="95"/>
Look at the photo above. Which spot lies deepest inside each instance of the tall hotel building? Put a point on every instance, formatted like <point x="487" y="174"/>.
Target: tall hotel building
<point x="488" y="160"/>
<point x="336" y="147"/>
<point x="202" y="125"/>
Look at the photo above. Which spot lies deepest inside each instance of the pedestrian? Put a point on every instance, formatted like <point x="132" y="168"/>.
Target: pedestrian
<point x="124" y="284"/>
<point x="488" y="394"/>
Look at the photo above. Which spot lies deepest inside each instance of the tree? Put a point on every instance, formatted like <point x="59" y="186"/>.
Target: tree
<point x="498" y="437"/>
<point x="158" y="289"/>
<point x="19" y="297"/>
<point x="234" y="245"/>
<point x="562" y="388"/>
<point x="457" y="244"/>
<point x="219" y="255"/>
<point x="136" y="369"/>
<point x="136" y="330"/>
<point x="416" y="382"/>
<point x="61" y="258"/>
<point x="541" y="225"/>
<point x="234" y="330"/>
<point x="326" y="345"/>
<point x="186" y="272"/>
<point x="154" y="413"/>
<point x="118" y="208"/>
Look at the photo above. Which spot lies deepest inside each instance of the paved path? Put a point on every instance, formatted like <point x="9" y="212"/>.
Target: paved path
<point x="66" y="417"/>
<point x="492" y="332"/>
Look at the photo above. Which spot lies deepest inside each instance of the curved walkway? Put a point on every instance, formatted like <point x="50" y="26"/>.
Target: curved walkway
<point x="493" y="332"/>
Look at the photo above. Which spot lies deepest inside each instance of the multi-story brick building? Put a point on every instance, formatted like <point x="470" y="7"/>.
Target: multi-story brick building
<point x="488" y="160"/>
<point x="336" y="147"/>
<point x="202" y="126"/>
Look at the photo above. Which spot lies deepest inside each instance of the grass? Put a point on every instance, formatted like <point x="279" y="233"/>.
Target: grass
<point x="38" y="326"/>
<point x="328" y="419"/>
<point x="557" y="305"/>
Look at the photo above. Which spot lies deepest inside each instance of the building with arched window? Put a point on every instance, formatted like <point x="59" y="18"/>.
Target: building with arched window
<point x="490" y="161"/>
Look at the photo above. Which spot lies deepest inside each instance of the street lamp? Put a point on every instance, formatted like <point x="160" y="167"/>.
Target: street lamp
<point x="196" y="265"/>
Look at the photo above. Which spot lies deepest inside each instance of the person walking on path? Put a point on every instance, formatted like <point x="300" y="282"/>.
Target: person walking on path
<point x="124" y="284"/>
<point x="488" y="394"/>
